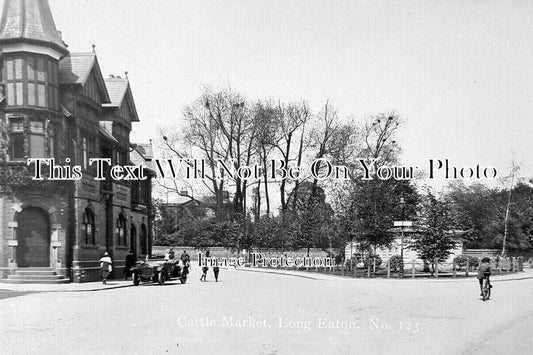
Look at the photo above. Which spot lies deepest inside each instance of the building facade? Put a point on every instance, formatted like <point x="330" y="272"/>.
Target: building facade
<point x="56" y="104"/>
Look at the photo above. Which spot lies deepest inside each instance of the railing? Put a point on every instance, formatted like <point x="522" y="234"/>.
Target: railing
<point x="416" y="268"/>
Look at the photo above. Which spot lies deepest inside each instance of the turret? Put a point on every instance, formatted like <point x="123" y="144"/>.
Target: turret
<point x="31" y="50"/>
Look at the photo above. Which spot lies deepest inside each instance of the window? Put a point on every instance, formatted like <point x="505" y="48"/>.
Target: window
<point x="37" y="139"/>
<point x="52" y="143"/>
<point x="121" y="158"/>
<point x="32" y="143"/>
<point x="84" y="153"/>
<point x="31" y="80"/>
<point x="88" y="150"/>
<point x="16" y="138"/>
<point x="88" y="226"/>
<point x="121" y="230"/>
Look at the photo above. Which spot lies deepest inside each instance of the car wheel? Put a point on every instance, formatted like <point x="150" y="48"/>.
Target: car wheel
<point x="136" y="278"/>
<point x="183" y="278"/>
<point x="161" y="277"/>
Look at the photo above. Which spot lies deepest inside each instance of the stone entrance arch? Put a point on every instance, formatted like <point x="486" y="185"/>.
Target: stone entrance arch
<point x="33" y="236"/>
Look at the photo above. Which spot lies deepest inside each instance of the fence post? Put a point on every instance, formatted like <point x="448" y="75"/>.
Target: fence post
<point x="413" y="268"/>
<point x="499" y="265"/>
<point x="454" y="271"/>
<point x="343" y="269"/>
<point x="507" y="265"/>
<point x="355" y="269"/>
<point x="520" y="263"/>
<point x="388" y="269"/>
<point x="374" y="266"/>
<point x="436" y="263"/>
<point x="368" y="271"/>
<point x="467" y="266"/>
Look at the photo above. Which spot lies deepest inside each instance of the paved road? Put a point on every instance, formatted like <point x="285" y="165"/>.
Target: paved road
<point x="264" y="313"/>
<point x="9" y="293"/>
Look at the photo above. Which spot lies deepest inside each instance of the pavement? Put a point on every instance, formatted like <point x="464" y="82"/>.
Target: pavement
<point x="119" y="283"/>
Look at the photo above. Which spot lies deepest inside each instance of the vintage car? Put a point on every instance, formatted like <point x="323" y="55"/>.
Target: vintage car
<point x="158" y="269"/>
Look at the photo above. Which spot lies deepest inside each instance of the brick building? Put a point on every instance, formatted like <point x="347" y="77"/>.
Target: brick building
<point x="56" y="104"/>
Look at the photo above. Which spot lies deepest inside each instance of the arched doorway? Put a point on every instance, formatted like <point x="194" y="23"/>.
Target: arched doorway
<point x="133" y="240"/>
<point x="144" y="240"/>
<point x="33" y="236"/>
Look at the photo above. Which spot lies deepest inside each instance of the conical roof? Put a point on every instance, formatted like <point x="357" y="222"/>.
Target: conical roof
<point x="30" y="21"/>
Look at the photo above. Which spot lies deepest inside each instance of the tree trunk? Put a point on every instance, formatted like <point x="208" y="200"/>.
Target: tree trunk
<point x="265" y="174"/>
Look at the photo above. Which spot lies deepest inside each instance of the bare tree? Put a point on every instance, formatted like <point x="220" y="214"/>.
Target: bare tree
<point x="267" y="121"/>
<point x="292" y="119"/>
<point x="221" y="129"/>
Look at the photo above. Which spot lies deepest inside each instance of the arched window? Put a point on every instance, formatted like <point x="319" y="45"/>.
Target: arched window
<point x="88" y="224"/>
<point x="121" y="230"/>
<point x="144" y="240"/>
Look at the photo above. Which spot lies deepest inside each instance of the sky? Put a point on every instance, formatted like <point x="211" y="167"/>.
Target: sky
<point x="459" y="72"/>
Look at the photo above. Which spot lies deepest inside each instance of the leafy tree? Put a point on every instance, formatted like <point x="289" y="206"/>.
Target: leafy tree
<point x="434" y="242"/>
<point x="482" y="212"/>
<point x="367" y="209"/>
<point x="165" y="224"/>
<point x="313" y="217"/>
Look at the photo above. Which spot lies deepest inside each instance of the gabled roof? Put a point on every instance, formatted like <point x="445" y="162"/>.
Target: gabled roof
<point x="145" y="150"/>
<point x="30" y="21"/>
<point x="76" y="69"/>
<point x="120" y="92"/>
<point x="142" y="154"/>
<point x="106" y="133"/>
<point x="117" y="87"/>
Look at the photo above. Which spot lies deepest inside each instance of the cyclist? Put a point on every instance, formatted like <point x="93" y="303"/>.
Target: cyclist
<point x="484" y="273"/>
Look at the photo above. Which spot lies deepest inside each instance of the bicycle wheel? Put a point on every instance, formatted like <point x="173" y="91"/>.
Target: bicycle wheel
<point x="486" y="290"/>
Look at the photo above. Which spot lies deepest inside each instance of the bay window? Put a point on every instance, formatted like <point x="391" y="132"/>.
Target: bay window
<point x="31" y="80"/>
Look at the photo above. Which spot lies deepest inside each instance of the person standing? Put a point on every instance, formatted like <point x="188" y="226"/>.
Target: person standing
<point x="185" y="261"/>
<point x="215" y="271"/>
<point x="105" y="266"/>
<point x="130" y="262"/>
<point x="185" y="258"/>
<point x="205" y="268"/>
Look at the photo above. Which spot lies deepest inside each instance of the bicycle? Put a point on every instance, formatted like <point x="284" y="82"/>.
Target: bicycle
<point x="485" y="291"/>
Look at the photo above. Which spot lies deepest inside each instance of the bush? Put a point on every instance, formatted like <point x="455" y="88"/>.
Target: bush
<point x="339" y="259"/>
<point x="369" y="260"/>
<point x="460" y="261"/>
<point x="395" y="263"/>
<point x="473" y="261"/>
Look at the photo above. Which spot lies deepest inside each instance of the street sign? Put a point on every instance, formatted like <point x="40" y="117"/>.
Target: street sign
<point x="403" y="223"/>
